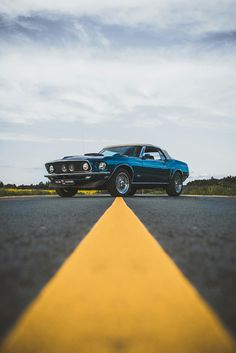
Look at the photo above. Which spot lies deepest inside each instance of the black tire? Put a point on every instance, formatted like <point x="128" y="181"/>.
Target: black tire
<point x="115" y="186"/>
<point x="176" y="185"/>
<point x="132" y="191"/>
<point x="66" y="192"/>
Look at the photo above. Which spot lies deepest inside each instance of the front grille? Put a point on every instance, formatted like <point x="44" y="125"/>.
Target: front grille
<point x="78" y="167"/>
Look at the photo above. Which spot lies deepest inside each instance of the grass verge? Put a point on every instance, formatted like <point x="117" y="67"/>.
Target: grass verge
<point x="25" y="192"/>
<point x="227" y="190"/>
<point x="188" y="190"/>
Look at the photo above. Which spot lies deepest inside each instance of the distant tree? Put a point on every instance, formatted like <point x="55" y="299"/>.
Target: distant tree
<point x="1" y="184"/>
<point x="40" y="186"/>
<point x="10" y="186"/>
<point x="229" y="180"/>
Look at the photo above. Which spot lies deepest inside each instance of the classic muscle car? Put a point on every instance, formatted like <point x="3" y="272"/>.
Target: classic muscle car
<point x="119" y="169"/>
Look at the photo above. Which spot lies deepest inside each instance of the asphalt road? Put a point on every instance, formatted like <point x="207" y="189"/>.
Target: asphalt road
<point x="199" y="234"/>
<point x="37" y="235"/>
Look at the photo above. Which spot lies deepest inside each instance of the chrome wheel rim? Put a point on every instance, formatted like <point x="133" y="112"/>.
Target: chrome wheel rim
<point x="178" y="183"/>
<point x="122" y="183"/>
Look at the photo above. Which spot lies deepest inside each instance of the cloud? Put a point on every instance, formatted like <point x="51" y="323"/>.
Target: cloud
<point x="18" y="137"/>
<point x="203" y="15"/>
<point x="167" y="26"/>
<point x="102" y="71"/>
<point x="92" y="87"/>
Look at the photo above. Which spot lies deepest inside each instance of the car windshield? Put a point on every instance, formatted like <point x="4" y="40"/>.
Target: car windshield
<point x="130" y="151"/>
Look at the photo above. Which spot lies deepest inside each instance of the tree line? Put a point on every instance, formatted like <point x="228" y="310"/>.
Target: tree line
<point x="39" y="186"/>
<point x="226" y="181"/>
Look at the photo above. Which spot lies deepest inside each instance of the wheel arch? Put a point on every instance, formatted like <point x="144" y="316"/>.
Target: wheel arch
<point x="126" y="167"/>
<point x="176" y="171"/>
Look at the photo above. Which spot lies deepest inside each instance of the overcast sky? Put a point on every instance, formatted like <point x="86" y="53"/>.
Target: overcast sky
<point x="77" y="75"/>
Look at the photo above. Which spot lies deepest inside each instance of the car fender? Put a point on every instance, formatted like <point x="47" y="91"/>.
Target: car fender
<point x="175" y="171"/>
<point x="124" y="166"/>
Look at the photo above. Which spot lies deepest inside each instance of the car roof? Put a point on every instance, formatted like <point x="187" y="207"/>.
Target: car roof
<point x="133" y="145"/>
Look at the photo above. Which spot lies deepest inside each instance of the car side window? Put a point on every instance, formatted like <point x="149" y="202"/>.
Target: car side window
<point x="133" y="151"/>
<point x="155" y="153"/>
<point x="156" y="156"/>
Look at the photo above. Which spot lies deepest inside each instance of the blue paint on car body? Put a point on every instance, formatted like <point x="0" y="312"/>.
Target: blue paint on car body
<point x="147" y="166"/>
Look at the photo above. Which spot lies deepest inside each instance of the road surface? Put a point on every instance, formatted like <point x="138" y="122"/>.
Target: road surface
<point x="38" y="234"/>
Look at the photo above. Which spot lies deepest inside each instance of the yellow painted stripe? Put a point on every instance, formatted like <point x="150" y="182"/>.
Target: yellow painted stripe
<point x="118" y="292"/>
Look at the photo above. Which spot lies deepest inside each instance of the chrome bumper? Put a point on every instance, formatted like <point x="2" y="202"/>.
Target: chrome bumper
<point x="76" y="174"/>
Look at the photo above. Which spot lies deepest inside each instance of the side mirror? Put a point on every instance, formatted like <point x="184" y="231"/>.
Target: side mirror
<point x="148" y="156"/>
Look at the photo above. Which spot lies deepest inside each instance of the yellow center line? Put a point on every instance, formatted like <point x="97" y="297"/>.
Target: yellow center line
<point x="118" y="292"/>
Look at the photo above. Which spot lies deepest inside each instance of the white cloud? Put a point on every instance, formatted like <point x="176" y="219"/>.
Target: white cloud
<point x="38" y="84"/>
<point x="205" y="15"/>
<point x="18" y="137"/>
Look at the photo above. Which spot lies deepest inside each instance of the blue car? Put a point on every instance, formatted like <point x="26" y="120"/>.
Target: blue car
<point x="119" y="169"/>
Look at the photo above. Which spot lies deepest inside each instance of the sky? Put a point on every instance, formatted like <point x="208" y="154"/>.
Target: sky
<point x="78" y="75"/>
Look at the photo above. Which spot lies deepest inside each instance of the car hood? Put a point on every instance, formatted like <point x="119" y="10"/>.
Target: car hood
<point x="89" y="156"/>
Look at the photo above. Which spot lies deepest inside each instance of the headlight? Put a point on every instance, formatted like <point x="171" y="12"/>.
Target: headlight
<point x="63" y="168"/>
<point x="51" y="168"/>
<point x="102" y="165"/>
<point x="85" y="166"/>
<point x="71" y="168"/>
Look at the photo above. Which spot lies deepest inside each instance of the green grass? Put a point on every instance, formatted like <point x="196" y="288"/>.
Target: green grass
<point x="151" y="192"/>
<point x="25" y="192"/>
<point x="227" y="190"/>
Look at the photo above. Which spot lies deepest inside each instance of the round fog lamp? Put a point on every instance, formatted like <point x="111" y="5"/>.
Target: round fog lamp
<point x="63" y="168"/>
<point x="51" y="168"/>
<point x="71" y="168"/>
<point x="85" y="166"/>
<point x="102" y="165"/>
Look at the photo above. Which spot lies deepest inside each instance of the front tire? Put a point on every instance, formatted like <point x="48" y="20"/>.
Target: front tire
<point x="132" y="191"/>
<point x="176" y="185"/>
<point x="66" y="192"/>
<point x="120" y="184"/>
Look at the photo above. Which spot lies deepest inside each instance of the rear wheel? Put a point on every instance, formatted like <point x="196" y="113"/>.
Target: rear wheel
<point x="120" y="183"/>
<point x="66" y="192"/>
<point x="176" y="185"/>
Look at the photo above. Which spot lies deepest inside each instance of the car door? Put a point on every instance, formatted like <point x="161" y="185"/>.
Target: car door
<point x="154" y="167"/>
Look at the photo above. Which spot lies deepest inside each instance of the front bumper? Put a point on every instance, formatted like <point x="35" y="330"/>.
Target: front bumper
<point x="81" y="180"/>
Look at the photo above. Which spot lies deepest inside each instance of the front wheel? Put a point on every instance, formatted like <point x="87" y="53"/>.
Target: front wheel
<point x="120" y="183"/>
<point x="176" y="185"/>
<point x="132" y="191"/>
<point x="66" y="192"/>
